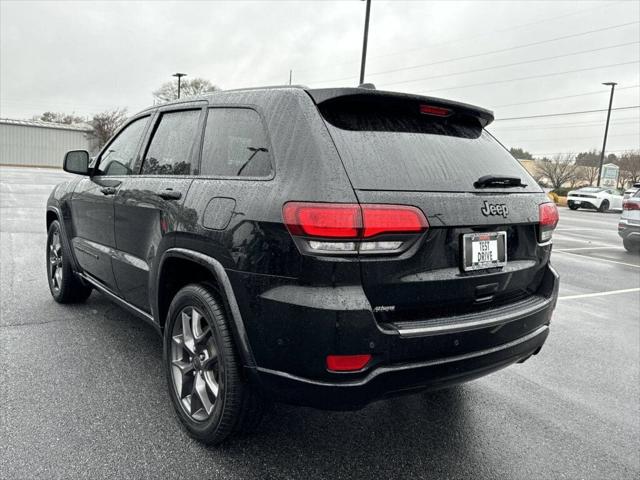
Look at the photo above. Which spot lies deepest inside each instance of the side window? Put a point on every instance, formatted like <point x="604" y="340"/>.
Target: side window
<point x="169" y="152"/>
<point x="235" y="144"/>
<point x="120" y="156"/>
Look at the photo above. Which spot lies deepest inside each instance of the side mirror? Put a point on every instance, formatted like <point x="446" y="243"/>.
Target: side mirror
<point x="77" y="161"/>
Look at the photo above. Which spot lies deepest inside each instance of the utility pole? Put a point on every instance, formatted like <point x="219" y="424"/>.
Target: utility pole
<point x="179" y="75"/>
<point x="364" y="41"/>
<point x="290" y="75"/>
<point x="606" y="129"/>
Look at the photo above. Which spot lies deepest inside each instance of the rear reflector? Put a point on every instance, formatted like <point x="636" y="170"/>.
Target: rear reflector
<point x="435" y="111"/>
<point x="338" y="227"/>
<point x="347" y="363"/>
<point x="548" y="220"/>
<point x="630" y="205"/>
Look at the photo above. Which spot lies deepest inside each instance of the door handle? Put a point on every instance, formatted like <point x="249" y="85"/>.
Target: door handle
<point x="169" y="194"/>
<point x="108" y="190"/>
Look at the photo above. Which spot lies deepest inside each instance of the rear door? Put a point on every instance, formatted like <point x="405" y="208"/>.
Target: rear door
<point x="432" y="156"/>
<point x="149" y="205"/>
<point x="92" y="202"/>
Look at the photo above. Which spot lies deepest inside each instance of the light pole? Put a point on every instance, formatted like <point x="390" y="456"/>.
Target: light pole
<point x="364" y="41"/>
<point x="606" y="128"/>
<point x="179" y="75"/>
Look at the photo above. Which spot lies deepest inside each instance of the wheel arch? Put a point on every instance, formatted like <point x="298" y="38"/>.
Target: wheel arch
<point x="54" y="213"/>
<point x="202" y="268"/>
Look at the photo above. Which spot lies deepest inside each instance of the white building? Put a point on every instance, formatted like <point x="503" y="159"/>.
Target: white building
<point x="41" y="144"/>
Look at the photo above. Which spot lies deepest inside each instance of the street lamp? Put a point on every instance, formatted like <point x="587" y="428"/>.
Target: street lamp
<point x="606" y="129"/>
<point x="179" y="75"/>
<point x="364" y="41"/>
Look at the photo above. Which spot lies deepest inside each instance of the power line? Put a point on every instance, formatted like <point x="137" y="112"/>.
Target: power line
<point x="573" y="153"/>
<point x="490" y="52"/>
<point x="530" y="77"/>
<point x="463" y="39"/>
<point x="548" y="139"/>
<point x="548" y="99"/>
<point x="505" y="65"/>
<point x="567" y="113"/>
<point x="568" y="125"/>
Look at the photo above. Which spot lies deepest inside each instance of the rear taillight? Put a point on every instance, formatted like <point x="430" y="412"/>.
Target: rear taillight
<point x="630" y="205"/>
<point x="340" y="228"/>
<point x="548" y="220"/>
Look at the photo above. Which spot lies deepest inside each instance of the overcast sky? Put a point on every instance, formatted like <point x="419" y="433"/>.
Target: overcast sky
<point x="84" y="57"/>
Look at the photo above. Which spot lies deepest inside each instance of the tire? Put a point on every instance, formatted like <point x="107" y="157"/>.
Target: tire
<point x="204" y="366"/>
<point x="604" y="206"/>
<point x="631" y="247"/>
<point x="65" y="286"/>
<point x="573" y="206"/>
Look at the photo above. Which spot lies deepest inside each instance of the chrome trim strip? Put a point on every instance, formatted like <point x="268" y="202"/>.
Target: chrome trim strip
<point x="397" y="368"/>
<point x="500" y="318"/>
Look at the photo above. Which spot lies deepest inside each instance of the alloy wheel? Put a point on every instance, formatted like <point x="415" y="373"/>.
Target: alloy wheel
<point x="55" y="262"/>
<point x="195" y="366"/>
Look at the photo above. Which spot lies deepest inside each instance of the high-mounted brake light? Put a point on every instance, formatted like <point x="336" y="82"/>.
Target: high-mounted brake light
<point x="349" y="228"/>
<point x="435" y="111"/>
<point x="548" y="220"/>
<point x="347" y="363"/>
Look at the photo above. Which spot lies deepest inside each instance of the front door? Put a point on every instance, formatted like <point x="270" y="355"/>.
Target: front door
<point x="149" y="206"/>
<point x="92" y="203"/>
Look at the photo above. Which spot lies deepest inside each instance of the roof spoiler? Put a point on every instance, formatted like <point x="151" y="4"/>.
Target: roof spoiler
<point x="321" y="95"/>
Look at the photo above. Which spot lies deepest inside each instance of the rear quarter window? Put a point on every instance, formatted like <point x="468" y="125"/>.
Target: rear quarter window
<point x="235" y="144"/>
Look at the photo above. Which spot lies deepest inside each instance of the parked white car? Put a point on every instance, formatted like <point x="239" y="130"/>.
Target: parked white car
<point x="599" y="198"/>
<point x="631" y="191"/>
<point x="629" y="225"/>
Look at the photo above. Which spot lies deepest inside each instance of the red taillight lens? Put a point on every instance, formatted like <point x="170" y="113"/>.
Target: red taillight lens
<point x="326" y="220"/>
<point x="346" y="228"/>
<point x="380" y="219"/>
<point x="347" y="363"/>
<point x="630" y="205"/>
<point x="436" y="111"/>
<point x="548" y="220"/>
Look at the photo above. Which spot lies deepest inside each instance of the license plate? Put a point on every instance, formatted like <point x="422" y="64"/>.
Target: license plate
<point x="484" y="250"/>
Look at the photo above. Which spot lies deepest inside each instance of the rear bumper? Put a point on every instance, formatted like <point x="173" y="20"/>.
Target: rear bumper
<point x="629" y="231"/>
<point x="393" y="380"/>
<point x="299" y="326"/>
<point x="584" y="202"/>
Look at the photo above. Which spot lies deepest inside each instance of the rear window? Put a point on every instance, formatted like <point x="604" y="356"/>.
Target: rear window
<point x="390" y="145"/>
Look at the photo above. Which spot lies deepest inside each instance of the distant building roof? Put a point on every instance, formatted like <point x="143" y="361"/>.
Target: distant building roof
<point x="82" y="127"/>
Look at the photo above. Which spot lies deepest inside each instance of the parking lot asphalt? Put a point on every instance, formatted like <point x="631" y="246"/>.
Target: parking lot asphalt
<point x="83" y="395"/>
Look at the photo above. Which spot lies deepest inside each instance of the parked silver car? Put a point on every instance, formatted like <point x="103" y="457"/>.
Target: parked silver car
<point x="629" y="225"/>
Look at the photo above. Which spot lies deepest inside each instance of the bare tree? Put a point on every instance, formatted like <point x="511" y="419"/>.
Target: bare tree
<point x="106" y="123"/>
<point x="629" y="163"/>
<point x="559" y="170"/>
<point x="188" y="88"/>
<point x="589" y="174"/>
<point x="57" y="117"/>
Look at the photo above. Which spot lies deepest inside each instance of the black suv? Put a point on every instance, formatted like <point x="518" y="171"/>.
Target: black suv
<point x="319" y="247"/>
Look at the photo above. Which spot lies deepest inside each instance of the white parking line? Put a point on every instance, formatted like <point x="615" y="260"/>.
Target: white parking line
<point x="597" y="258"/>
<point x="587" y="248"/>
<point x="599" y="294"/>
<point x="577" y="230"/>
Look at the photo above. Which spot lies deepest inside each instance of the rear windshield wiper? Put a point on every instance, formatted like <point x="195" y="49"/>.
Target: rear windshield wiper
<point x="498" y="181"/>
